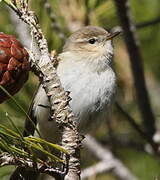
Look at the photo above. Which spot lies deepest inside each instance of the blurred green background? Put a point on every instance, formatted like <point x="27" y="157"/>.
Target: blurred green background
<point x="126" y="144"/>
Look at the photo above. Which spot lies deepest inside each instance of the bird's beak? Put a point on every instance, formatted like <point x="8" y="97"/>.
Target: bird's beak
<point x="112" y="35"/>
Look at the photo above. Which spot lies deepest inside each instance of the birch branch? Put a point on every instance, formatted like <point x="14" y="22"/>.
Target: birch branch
<point x="59" y="99"/>
<point x="107" y="159"/>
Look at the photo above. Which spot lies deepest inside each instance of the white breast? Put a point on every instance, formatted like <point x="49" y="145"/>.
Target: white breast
<point x="91" y="92"/>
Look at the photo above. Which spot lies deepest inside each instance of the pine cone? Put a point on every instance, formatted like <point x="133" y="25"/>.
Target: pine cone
<point x="14" y="65"/>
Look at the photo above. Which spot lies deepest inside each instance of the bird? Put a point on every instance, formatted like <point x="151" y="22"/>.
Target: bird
<point x="86" y="70"/>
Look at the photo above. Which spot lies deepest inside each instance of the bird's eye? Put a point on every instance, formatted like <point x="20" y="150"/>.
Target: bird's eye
<point x="92" y="41"/>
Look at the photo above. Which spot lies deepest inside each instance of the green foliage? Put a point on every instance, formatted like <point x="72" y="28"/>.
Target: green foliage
<point x="13" y="143"/>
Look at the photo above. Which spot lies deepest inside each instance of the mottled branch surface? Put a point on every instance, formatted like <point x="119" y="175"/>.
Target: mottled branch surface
<point x="132" y="44"/>
<point x="59" y="105"/>
<point x="59" y="99"/>
<point x="7" y="159"/>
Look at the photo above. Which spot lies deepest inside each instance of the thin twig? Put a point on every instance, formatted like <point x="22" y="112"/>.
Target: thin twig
<point x="54" y="22"/>
<point x="99" y="168"/>
<point x="111" y="162"/>
<point x="87" y="13"/>
<point x="131" y="40"/>
<point x="139" y="25"/>
<point x="137" y="127"/>
<point x="148" y="23"/>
